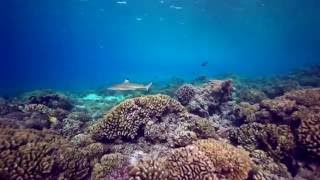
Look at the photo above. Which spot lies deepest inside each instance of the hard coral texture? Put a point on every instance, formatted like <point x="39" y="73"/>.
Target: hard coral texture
<point x="229" y="162"/>
<point x="190" y="163"/>
<point x="206" y="100"/>
<point x="31" y="154"/>
<point x="309" y="130"/>
<point x="126" y="119"/>
<point x="107" y="164"/>
<point x="278" y="141"/>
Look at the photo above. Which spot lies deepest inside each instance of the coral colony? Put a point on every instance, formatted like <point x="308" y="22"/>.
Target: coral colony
<point x="220" y="129"/>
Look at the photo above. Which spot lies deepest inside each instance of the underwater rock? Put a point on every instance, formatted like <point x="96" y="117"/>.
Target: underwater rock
<point x="308" y="171"/>
<point x="37" y="121"/>
<point x="130" y="117"/>
<point x="74" y="124"/>
<point x="6" y="107"/>
<point x="250" y="95"/>
<point x="33" y="154"/>
<point x="50" y="99"/>
<point x="206" y="100"/>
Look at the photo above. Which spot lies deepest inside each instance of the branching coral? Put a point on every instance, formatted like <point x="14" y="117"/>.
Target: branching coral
<point x="126" y="119"/>
<point x="229" y="162"/>
<point x="31" y="154"/>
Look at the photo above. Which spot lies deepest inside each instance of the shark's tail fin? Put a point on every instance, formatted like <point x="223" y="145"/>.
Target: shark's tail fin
<point x="148" y="86"/>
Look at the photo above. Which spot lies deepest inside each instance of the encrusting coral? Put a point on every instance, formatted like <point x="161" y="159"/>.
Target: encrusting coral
<point x="32" y="154"/>
<point x="126" y="119"/>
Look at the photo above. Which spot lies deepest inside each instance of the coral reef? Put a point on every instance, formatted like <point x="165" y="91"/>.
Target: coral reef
<point x="309" y="130"/>
<point x="126" y="119"/>
<point x="147" y="168"/>
<point x="190" y="163"/>
<point x="294" y="114"/>
<point x="206" y="100"/>
<point x="205" y="159"/>
<point x="31" y="154"/>
<point x="278" y="141"/>
<point x="266" y="168"/>
<point x="50" y="99"/>
<point x="229" y="162"/>
<point x="47" y="135"/>
<point x="107" y="164"/>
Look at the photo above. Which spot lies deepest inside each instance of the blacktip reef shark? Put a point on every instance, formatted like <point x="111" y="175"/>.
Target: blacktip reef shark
<point x="128" y="86"/>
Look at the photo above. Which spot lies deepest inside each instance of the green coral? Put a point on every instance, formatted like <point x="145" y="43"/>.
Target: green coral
<point x="31" y="154"/>
<point x="126" y="119"/>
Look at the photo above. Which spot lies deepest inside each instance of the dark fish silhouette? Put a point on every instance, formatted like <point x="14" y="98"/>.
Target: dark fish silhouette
<point x="204" y="64"/>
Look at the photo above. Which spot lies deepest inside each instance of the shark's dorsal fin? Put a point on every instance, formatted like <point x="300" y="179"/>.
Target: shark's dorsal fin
<point x="126" y="81"/>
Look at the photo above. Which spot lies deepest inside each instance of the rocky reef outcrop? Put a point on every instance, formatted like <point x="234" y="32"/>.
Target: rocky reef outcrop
<point x="207" y="100"/>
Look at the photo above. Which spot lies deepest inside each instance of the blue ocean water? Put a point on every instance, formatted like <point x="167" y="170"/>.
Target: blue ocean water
<point x="82" y="44"/>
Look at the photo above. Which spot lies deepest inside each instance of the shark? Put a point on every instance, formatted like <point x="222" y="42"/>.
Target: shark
<point x="128" y="86"/>
<point x="121" y="2"/>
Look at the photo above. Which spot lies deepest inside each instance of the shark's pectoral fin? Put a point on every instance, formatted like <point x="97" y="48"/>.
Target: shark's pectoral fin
<point x="148" y="86"/>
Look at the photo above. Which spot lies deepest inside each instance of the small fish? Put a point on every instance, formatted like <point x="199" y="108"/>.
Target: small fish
<point x="127" y="86"/>
<point x="139" y="19"/>
<point x="121" y="2"/>
<point x="176" y="7"/>
<point x="204" y="64"/>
